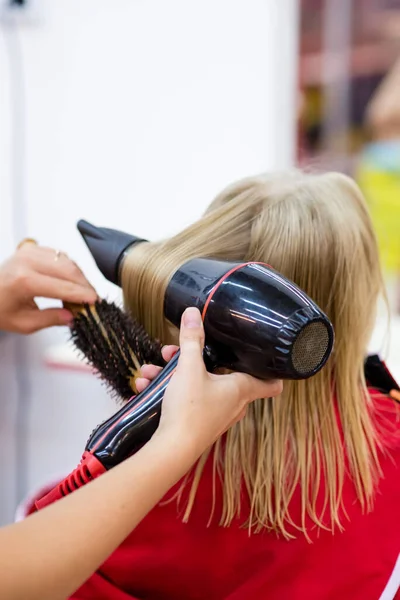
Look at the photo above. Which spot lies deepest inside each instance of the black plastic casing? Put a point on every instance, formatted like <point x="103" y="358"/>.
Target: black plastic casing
<point x="252" y="317"/>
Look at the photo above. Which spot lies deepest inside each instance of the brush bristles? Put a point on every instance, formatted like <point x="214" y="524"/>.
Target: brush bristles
<point x="115" y="345"/>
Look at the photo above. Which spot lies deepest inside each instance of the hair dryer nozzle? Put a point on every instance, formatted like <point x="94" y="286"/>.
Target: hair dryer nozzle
<point x="108" y="247"/>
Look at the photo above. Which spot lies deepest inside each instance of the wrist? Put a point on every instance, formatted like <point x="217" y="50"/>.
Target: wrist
<point x="179" y="445"/>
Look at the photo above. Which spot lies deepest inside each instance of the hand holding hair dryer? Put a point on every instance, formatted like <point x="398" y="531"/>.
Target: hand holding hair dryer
<point x="256" y="321"/>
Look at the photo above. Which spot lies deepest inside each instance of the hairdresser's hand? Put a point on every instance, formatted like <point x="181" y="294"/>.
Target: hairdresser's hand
<point x="33" y="272"/>
<point x="198" y="406"/>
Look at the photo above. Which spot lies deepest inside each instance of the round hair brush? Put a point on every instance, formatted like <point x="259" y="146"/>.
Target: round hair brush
<point x="114" y="344"/>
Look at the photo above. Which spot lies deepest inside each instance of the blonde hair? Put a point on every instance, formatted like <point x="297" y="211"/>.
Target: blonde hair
<point x="316" y="230"/>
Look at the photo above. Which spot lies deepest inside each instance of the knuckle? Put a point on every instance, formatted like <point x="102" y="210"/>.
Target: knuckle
<point x="72" y="268"/>
<point x="28" y="327"/>
<point x="26" y="250"/>
<point x="21" y="278"/>
<point x="243" y="383"/>
<point x="276" y="388"/>
<point x="192" y="337"/>
<point x="15" y="325"/>
<point x="69" y="288"/>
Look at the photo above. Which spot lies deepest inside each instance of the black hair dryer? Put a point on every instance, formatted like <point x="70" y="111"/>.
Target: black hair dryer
<point x="255" y="320"/>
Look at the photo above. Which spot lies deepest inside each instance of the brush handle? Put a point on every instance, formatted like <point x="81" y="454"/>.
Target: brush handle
<point x="134" y="424"/>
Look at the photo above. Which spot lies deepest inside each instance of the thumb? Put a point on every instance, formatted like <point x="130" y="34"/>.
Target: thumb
<point x="191" y="337"/>
<point x="34" y="320"/>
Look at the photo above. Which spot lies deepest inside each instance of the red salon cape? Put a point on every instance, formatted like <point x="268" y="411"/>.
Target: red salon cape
<point x="165" y="559"/>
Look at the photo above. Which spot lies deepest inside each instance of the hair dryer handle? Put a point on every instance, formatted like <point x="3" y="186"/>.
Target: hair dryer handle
<point x="121" y="435"/>
<point x="134" y="424"/>
<point x="117" y="438"/>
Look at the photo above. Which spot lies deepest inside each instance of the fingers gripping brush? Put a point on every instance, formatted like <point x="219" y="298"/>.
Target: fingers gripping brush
<point x="256" y="321"/>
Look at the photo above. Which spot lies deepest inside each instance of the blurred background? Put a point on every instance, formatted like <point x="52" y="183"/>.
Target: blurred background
<point x="134" y="114"/>
<point x="349" y="107"/>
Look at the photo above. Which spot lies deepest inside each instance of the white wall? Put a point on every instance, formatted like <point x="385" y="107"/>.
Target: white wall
<point x="138" y="113"/>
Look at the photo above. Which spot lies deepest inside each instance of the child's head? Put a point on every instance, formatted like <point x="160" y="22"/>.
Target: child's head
<point x="315" y="229"/>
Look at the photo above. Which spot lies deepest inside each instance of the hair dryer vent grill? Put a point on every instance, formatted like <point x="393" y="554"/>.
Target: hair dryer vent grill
<point x="310" y="348"/>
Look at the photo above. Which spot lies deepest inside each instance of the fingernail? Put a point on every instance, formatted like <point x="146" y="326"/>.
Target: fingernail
<point x="192" y="318"/>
